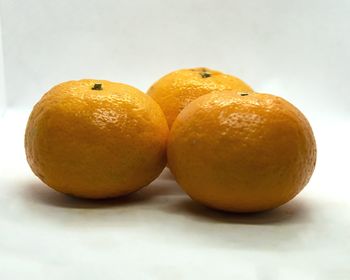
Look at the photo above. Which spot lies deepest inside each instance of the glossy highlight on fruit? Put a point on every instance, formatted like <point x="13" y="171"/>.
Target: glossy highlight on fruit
<point x="241" y="152"/>
<point x="96" y="139"/>
<point x="177" y="89"/>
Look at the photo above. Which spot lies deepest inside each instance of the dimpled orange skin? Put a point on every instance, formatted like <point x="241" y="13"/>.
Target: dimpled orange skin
<point x="241" y="153"/>
<point x="177" y="89"/>
<point x="94" y="143"/>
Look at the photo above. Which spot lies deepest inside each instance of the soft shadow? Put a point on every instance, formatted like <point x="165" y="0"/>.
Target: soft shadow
<point x="295" y="211"/>
<point x="167" y="175"/>
<point x="161" y="187"/>
<point x="38" y="192"/>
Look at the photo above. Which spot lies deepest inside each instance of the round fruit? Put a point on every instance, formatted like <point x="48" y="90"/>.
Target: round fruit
<point x="177" y="89"/>
<point x="96" y="139"/>
<point x="241" y="152"/>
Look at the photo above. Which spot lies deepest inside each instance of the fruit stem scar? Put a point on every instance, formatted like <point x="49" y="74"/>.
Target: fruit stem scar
<point x="244" y="94"/>
<point x="97" y="87"/>
<point x="205" y="74"/>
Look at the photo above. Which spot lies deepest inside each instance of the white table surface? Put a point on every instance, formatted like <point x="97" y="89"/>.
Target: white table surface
<point x="159" y="233"/>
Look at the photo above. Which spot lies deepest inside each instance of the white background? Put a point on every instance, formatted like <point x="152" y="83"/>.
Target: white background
<point x="296" y="49"/>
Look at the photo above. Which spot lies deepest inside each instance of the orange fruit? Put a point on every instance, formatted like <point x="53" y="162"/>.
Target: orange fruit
<point x="177" y="89"/>
<point x="241" y="152"/>
<point x="96" y="139"/>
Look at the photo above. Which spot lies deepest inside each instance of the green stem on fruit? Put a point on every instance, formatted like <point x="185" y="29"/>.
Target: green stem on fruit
<point x="97" y="87"/>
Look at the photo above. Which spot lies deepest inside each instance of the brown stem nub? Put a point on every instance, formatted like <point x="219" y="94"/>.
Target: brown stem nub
<point x="205" y="74"/>
<point x="97" y="87"/>
<point x="244" y="94"/>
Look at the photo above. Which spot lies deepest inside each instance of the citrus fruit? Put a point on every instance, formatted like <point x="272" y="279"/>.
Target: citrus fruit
<point x="177" y="89"/>
<point x="96" y="139"/>
<point x="241" y="152"/>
